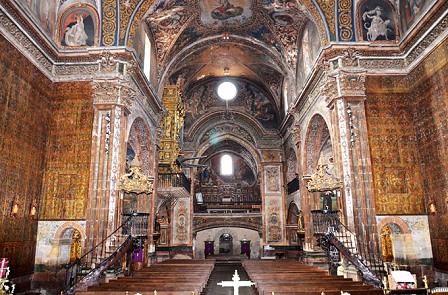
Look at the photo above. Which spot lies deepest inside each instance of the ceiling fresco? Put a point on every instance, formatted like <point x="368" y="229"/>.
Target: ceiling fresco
<point x="251" y="100"/>
<point x="276" y="24"/>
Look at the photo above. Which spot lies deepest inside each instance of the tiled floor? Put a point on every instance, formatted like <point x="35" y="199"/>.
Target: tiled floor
<point x="224" y="272"/>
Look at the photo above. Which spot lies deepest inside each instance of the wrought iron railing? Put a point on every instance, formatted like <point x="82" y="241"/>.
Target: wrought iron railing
<point x="167" y="180"/>
<point x="109" y="253"/>
<point x="293" y="186"/>
<point x="336" y="238"/>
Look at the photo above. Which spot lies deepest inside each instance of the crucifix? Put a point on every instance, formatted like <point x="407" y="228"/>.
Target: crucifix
<point x="236" y="283"/>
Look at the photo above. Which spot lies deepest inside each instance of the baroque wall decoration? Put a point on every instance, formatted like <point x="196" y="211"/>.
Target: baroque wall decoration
<point x="396" y="172"/>
<point x="345" y="20"/>
<point x="430" y="113"/>
<point x="272" y="179"/>
<point x="67" y="171"/>
<point x="25" y="116"/>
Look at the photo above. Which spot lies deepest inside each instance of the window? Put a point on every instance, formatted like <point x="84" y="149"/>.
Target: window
<point x="226" y="165"/>
<point x="147" y="61"/>
<point x="227" y="90"/>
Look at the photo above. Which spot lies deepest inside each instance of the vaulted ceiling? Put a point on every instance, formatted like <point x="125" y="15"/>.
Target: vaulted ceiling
<point x="252" y="41"/>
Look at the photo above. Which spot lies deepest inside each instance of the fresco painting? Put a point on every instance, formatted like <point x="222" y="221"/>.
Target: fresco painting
<point x="78" y="28"/>
<point x="44" y="11"/>
<point x="307" y="52"/>
<point x="217" y="13"/>
<point x="377" y="21"/>
<point x="250" y="100"/>
<point x="411" y="10"/>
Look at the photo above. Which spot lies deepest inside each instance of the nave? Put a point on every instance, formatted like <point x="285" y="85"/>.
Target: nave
<point x="201" y="276"/>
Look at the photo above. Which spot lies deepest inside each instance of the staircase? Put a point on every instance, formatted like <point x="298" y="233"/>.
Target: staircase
<point x="337" y="239"/>
<point x="111" y="254"/>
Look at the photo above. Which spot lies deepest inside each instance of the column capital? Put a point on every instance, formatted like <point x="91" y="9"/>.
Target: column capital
<point x="113" y="92"/>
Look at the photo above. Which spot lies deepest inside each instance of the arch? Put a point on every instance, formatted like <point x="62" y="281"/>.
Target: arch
<point x="91" y="26"/>
<point x="292" y="216"/>
<point x="291" y="165"/>
<point x="404" y="228"/>
<point x="62" y="239"/>
<point x="140" y="140"/>
<point x="317" y="135"/>
<point x="253" y="151"/>
<point x="69" y="225"/>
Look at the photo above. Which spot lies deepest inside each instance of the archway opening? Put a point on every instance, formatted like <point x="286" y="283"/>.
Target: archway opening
<point x="226" y="244"/>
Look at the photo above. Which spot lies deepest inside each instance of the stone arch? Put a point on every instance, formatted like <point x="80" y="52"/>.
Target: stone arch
<point x="317" y="136"/>
<point x="140" y="140"/>
<point x="61" y="239"/>
<point x="404" y="228"/>
<point x="291" y="165"/>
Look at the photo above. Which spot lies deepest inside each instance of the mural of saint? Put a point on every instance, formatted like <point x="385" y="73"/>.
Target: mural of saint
<point x="78" y="29"/>
<point x="226" y="10"/>
<point x="220" y="12"/>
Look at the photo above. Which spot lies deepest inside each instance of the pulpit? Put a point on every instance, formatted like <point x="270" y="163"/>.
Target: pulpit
<point x="245" y="247"/>
<point x="209" y="246"/>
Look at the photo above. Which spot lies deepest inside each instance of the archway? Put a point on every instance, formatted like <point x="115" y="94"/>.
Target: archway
<point x="226" y="244"/>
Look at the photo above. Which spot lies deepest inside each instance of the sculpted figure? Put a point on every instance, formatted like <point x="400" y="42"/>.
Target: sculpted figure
<point x="377" y="26"/>
<point x="76" y="36"/>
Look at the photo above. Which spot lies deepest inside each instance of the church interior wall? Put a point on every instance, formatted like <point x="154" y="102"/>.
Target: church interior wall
<point x="67" y="163"/>
<point x="412" y="246"/>
<point x="430" y="115"/>
<point x="237" y="234"/>
<point x="398" y="186"/>
<point x="25" y="103"/>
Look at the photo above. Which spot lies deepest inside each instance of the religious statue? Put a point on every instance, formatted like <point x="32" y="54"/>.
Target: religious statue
<point x="377" y="26"/>
<point x="75" y="35"/>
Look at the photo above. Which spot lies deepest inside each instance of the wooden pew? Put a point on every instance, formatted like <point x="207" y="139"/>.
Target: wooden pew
<point x="171" y="277"/>
<point x="290" y="277"/>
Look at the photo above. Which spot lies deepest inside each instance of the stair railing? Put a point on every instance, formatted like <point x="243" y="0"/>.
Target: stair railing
<point x="111" y="251"/>
<point x="336" y="238"/>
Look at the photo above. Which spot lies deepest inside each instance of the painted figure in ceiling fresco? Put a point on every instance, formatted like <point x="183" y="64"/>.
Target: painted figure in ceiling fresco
<point x="378" y="26"/>
<point x="217" y="13"/>
<point x="226" y="10"/>
<point x="75" y="35"/>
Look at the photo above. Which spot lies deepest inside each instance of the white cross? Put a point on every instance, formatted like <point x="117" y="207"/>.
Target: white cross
<point x="236" y="283"/>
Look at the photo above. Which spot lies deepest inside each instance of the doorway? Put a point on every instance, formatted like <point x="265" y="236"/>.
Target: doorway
<point x="225" y="244"/>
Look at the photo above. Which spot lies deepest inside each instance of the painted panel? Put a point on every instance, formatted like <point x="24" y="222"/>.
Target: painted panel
<point x="274" y="218"/>
<point x="272" y="179"/>
<point x="181" y="228"/>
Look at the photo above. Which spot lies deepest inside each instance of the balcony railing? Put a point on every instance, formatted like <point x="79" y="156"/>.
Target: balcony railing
<point x="228" y="207"/>
<point x="168" y="180"/>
